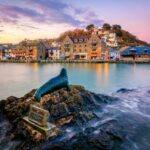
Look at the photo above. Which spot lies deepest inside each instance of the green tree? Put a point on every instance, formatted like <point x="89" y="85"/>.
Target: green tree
<point x="90" y="27"/>
<point x="119" y="33"/>
<point x="106" y="26"/>
<point x="116" y="27"/>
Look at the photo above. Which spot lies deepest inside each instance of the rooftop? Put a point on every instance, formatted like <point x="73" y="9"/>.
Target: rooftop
<point x="83" y="39"/>
<point x="139" y="50"/>
<point x="54" y="48"/>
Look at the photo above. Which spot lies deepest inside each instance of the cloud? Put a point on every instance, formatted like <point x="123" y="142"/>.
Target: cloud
<point x="41" y="19"/>
<point x="48" y="12"/>
<point x="15" y="11"/>
<point x="60" y="12"/>
<point x="29" y="26"/>
<point x="12" y="14"/>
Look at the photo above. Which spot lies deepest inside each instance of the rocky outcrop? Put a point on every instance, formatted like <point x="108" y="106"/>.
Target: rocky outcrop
<point x="74" y="112"/>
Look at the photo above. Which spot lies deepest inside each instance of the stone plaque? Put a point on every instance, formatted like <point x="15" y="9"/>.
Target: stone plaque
<point x="49" y="131"/>
<point x="38" y="115"/>
<point x="38" y="119"/>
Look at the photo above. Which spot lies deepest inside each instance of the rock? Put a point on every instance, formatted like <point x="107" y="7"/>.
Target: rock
<point x="12" y="99"/>
<point x="58" y="111"/>
<point x="63" y="121"/>
<point x="73" y="109"/>
<point x="2" y="105"/>
<point x="123" y="90"/>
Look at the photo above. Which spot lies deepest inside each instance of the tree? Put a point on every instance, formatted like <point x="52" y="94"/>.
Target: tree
<point x="74" y="33"/>
<point x="90" y="27"/>
<point x="106" y="26"/>
<point x="116" y="27"/>
<point x="63" y="35"/>
<point x="119" y="33"/>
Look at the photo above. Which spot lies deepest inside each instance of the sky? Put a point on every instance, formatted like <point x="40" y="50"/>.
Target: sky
<point x="38" y="19"/>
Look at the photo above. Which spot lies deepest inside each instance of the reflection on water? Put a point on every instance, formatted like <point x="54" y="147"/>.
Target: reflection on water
<point x="17" y="79"/>
<point x="36" y="67"/>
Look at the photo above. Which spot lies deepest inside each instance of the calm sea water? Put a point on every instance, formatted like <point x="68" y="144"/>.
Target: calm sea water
<point x="18" y="79"/>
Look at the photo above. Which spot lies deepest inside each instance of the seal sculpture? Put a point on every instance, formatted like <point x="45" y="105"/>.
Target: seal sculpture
<point x="53" y="84"/>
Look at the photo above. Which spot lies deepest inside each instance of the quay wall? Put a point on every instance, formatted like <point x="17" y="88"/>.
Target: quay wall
<point x="73" y="61"/>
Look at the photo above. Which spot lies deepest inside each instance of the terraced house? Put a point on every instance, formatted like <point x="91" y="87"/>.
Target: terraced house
<point x="2" y="48"/>
<point x="30" y="51"/>
<point x="84" y="48"/>
<point x="4" y="51"/>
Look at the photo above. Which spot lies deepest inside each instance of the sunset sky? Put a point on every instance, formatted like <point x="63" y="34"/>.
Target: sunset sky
<point x="33" y="19"/>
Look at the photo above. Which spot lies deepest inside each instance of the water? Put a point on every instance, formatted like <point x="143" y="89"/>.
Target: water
<point x="18" y="79"/>
<point x="129" y="115"/>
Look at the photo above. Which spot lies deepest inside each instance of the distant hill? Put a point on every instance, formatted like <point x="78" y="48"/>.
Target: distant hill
<point x="125" y="38"/>
<point x="128" y="39"/>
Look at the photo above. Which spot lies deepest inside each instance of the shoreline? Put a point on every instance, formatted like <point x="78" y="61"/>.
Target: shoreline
<point x="74" y="61"/>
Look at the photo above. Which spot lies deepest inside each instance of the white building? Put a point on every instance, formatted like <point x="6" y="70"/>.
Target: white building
<point x="111" y="40"/>
<point x="114" y="54"/>
<point x="54" y="53"/>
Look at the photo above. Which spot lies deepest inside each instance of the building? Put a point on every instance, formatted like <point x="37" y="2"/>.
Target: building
<point x="100" y="32"/>
<point x="114" y="54"/>
<point x="83" y="48"/>
<point x="109" y="37"/>
<point x="54" y="53"/>
<point x="140" y="53"/>
<point x="111" y="40"/>
<point x="56" y="44"/>
<point x="29" y="51"/>
<point x="4" y="51"/>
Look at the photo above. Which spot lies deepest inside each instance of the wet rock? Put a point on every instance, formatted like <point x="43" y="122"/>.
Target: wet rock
<point x="67" y="109"/>
<point x="65" y="120"/>
<point x="123" y="90"/>
<point x="12" y="99"/>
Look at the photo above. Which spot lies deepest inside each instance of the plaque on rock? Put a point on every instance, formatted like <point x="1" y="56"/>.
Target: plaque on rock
<point x="38" y="120"/>
<point x="38" y="115"/>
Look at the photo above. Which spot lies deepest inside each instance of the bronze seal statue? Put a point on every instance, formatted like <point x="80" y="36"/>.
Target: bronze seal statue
<point x="53" y="84"/>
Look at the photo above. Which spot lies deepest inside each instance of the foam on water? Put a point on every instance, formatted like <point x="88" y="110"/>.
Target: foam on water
<point x="131" y="111"/>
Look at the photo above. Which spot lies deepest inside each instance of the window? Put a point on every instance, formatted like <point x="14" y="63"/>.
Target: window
<point x="94" y="44"/>
<point x="85" y="40"/>
<point x="75" y="40"/>
<point x="67" y="50"/>
<point x="145" y="51"/>
<point x="80" y="40"/>
<point x="94" y="41"/>
<point x="66" y="45"/>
